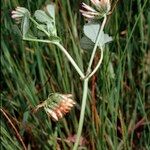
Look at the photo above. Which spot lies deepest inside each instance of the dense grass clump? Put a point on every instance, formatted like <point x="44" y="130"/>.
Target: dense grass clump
<point x="118" y="106"/>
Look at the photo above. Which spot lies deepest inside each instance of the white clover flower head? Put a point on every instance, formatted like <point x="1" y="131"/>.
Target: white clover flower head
<point x="88" y="11"/>
<point x="102" y="7"/>
<point x="19" y="13"/>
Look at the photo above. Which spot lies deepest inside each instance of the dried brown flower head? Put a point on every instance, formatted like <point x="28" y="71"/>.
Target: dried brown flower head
<point x="57" y="105"/>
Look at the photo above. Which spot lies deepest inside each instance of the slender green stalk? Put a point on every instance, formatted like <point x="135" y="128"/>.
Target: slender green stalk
<point x="85" y="92"/>
<point x="98" y="64"/>
<point x="84" y="98"/>
<point x="37" y="40"/>
<point x="63" y="50"/>
<point x="86" y="79"/>
<point x="39" y="26"/>
<point x="71" y="60"/>
<point x="96" y="44"/>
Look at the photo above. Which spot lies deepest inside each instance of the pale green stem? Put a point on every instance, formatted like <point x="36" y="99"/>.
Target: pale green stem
<point x="85" y="92"/>
<point x="98" y="64"/>
<point x="96" y="44"/>
<point x="39" y="26"/>
<point x="84" y="98"/>
<point x="37" y="40"/>
<point x="85" y="87"/>
<point x="59" y="45"/>
<point x="70" y="59"/>
<point x="63" y="50"/>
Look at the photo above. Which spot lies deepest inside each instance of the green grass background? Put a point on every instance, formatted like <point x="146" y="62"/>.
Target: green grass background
<point x="31" y="71"/>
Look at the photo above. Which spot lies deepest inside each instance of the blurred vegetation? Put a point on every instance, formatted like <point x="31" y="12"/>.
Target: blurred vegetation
<point x="118" y="107"/>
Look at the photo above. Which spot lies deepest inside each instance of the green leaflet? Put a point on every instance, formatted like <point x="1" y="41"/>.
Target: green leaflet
<point x="25" y="24"/>
<point x="42" y="17"/>
<point x="47" y="20"/>
<point x="91" y="31"/>
<point x="51" y="11"/>
<point x="86" y="43"/>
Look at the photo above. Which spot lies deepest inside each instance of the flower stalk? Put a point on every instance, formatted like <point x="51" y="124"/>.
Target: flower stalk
<point x="96" y="45"/>
<point x="71" y="60"/>
<point x="86" y="80"/>
<point x="84" y="98"/>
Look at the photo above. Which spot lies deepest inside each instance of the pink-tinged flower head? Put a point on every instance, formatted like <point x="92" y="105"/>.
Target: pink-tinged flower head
<point x="88" y="11"/>
<point x="57" y="105"/>
<point x="102" y="7"/>
<point x="18" y="13"/>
